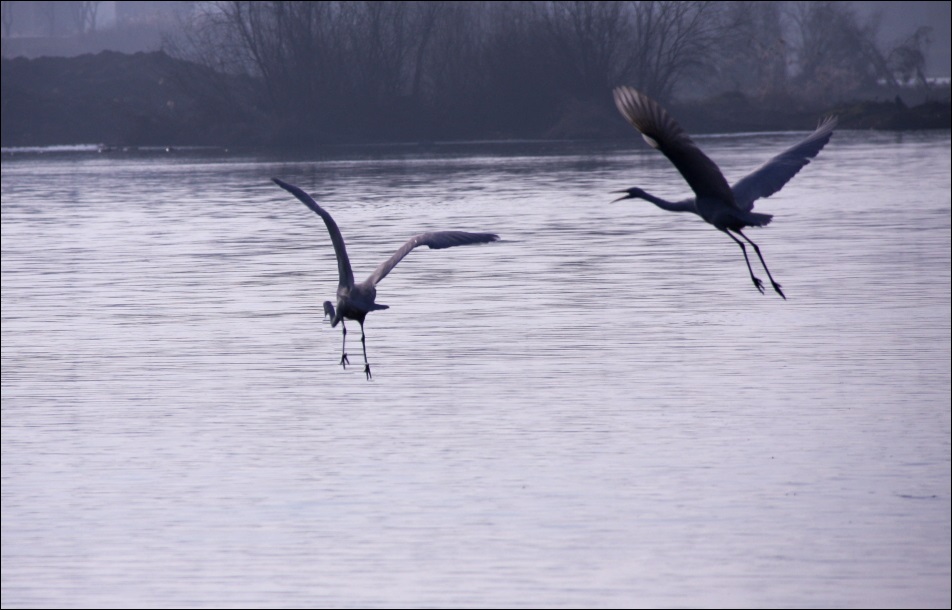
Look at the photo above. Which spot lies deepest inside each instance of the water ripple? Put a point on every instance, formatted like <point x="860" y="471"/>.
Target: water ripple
<point x="599" y="409"/>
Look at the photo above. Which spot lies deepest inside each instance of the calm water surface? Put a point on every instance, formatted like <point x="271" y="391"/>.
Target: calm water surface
<point x="598" y="410"/>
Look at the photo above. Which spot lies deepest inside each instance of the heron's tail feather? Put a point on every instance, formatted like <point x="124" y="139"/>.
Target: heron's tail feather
<point x="756" y="219"/>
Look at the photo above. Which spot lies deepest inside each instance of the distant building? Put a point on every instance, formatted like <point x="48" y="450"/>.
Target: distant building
<point x="34" y="29"/>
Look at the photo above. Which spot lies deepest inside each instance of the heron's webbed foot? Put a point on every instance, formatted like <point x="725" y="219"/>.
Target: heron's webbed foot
<point x="367" y="371"/>
<point x="344" y="361"/>
<point x="759" y="284"/>
<point x="776" y="287"/>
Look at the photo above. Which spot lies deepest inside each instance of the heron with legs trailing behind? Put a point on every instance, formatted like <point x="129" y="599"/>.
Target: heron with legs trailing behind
<point x="727" y="208"/>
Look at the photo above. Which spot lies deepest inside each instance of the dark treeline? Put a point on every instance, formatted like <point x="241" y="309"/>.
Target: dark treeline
<point x="326" y="71"/>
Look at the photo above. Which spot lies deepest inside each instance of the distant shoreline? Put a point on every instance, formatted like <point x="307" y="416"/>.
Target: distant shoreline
<point x="150" y="99"/>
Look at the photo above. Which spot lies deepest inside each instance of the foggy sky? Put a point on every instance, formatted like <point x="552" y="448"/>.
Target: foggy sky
<point x="897" y="21"/>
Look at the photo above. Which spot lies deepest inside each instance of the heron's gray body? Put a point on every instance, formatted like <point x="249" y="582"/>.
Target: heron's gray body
<point x="355" y="303"/>
<point x="726" y="216"/>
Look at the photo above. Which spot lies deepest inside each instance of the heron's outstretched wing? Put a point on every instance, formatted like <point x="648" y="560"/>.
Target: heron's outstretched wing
<point x="343" y="263"/>
<point x="661" y="131"/>
<point x="437" y="240"/>
<point x="772" y="175"/>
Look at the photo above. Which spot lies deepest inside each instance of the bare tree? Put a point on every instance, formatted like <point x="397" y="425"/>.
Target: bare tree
<point x="670" y="40"/>
<point x="454" y="83"/>
<point x="84" y="15"/>
<point x="382" y="69"/>
<point x="326" y="68"/>
<point x="379" y="46"/>
<point x="49" y="10"/>
<point x="6" y="10"/>
<point x="428" y="15"/>
<point x="753" y="55"/>
<point x="521" y="85"/>
<point x="836" y="54"/>
<point x="907" y="59"/>
<point x="284" y="45"/>
<point x="590" y="39"/>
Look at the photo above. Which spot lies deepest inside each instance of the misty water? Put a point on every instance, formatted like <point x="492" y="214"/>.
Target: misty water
<point x="598" y="410"/>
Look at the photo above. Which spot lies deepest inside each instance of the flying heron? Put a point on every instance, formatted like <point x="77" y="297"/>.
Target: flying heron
<point x="728" y="208"/>
<point x="355" y="301"/>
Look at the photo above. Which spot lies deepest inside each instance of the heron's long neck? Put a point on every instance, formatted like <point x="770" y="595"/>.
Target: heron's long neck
<point x="671" y="206"/>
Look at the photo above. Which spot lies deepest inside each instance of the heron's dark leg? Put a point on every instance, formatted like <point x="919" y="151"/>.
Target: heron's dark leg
<point x="363" y="342"/>
<point x="344" y="361"/>
<point x="759" y="284"/>
<point x="776" y="286"/>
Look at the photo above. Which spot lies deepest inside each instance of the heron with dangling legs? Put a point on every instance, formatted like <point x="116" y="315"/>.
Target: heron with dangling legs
<point x="355" y="301"/>
<point x="727" y="208"/>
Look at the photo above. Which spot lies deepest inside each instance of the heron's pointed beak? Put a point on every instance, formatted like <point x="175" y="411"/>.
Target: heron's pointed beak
<point x="627" y="196"/>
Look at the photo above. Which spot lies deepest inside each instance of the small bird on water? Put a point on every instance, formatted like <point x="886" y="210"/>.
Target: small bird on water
<point x="727" y="208"/>
<point x="355" y="301"/>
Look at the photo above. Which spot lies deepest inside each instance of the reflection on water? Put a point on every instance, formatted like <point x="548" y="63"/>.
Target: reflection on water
<point x="597" y="410"/>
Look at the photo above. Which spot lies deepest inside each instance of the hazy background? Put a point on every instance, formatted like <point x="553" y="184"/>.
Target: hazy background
<point x="141" y="26"/>
<point x="301" y="73"/>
